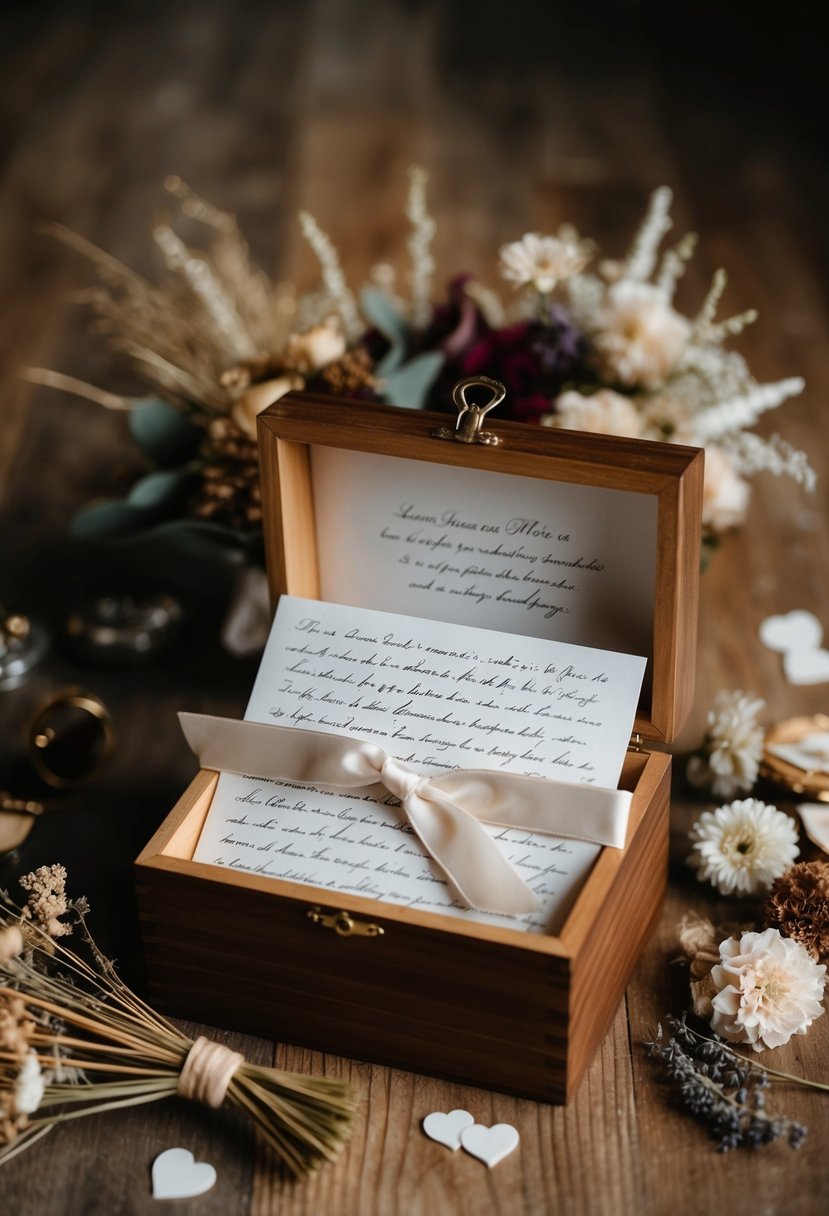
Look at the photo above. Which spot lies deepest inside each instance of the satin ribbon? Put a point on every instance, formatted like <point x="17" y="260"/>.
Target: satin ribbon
<point x="446" y="812"/>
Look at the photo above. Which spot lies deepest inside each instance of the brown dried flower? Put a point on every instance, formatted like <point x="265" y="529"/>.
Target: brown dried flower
<point x="799" y="906"/>
<point x="17" y="1026"/>
<point x="47" y="899"/>
<point x="350" y="376"/>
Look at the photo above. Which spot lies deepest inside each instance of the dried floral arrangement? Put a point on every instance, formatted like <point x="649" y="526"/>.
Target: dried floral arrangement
<point x="76" y="1041"/>
<point x="215" y="341"/>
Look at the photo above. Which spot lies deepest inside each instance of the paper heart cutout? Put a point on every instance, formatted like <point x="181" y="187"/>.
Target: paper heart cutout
<point x="806" y="666"/>
<point x="177" y="1175"/>
<point x="798" y="630"/>
<point x="490" y="1144"/>
<point x="815" y="817"/>
<point x="446" y="1129"/>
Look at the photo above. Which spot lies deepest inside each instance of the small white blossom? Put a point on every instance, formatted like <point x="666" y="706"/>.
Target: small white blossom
<point x="768" y="988"/>
<point x="29" y="1086"/>
<point x="603" y="413"/>
<point x="542" y="261"/>
<point x="732" y="747"/>
<point x="642" y="336"/>
<point x="742" y="847"/>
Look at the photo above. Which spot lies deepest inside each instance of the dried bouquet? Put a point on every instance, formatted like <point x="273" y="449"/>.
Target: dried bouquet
<point x="75" y="1041"/>
<point x="604" y="349"/>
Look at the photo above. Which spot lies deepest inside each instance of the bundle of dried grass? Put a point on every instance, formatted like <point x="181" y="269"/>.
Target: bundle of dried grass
<point x="76" y="1041"/>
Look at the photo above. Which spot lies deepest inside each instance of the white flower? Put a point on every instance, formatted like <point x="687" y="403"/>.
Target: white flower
<point x="542" y="261"/>
<point x="11" y="943"/>
<point x="29" y="1086"/>
<point x="768" y="988"/>
<point x="604" y="413"/>
<point x="320" y="345"/>
<point x="742" y="847"/>
<point x="732" y="748"/>
<point x="258" y="397"/>
<point x="641" y="335"/>
<point x="725" y="494"/>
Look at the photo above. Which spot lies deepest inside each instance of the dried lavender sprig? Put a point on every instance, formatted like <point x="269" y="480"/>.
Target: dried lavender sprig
<point x="722" y="1089"/>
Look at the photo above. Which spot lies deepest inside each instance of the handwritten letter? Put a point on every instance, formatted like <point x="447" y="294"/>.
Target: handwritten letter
<point x="438" y="697"/>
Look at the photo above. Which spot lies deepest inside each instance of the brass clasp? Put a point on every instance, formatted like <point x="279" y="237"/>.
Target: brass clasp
<point x="468" y="426"/>
<point x="344" y="924"/>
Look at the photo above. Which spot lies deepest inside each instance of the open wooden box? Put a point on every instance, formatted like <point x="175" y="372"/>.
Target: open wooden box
<point x="464" y="1000"/>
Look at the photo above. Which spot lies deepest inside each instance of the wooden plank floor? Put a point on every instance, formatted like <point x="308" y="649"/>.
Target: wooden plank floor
<point x="266" y="107"/>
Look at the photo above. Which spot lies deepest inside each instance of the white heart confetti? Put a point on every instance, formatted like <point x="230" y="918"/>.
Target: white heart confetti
<point x="177" y="1175"/>
<point x="490" y="1144"/>
<point x="798" y="630"/>
<point x="446" y="1129"/>
<point x="806" y="666"/>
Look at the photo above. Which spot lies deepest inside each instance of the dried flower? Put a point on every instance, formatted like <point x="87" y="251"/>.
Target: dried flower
<point x="732" y="747"/>
<point x="47" y="899"/>
<point x="604" y="412"/>
<point x="743" y="846"/>
<point x="724" y="1090"/>
<point x="11" y="943"/>
<point x="641" y="336"/>
<point x="725" y="494"/>
<point x="29" y="1086"/>
<point x="542" y="261"/>
<point x="700" y="943"/>
<point x="107" y="1049"/>
<point x="768" y="989"/>
<point x="310" y="352"/>
<point x="258" y="397"/>
<point x="799" y="906"/>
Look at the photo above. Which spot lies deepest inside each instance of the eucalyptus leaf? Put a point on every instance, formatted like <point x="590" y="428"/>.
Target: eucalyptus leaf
<point x="162" y="491"/>
<point x="107" y="521"/>
<point x="164" y="433"/>
<point x="381" y="312"/>
<point x="410" y="384"/>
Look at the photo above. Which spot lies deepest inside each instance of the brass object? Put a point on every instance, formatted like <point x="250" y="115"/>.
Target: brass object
<point x="636" y="742"/>
<point x="23" y="644"/>
<point x="813" y="783"/>
<point x="344" y="924"/>
<point x="467" y="429"/>
<point x="71" y="738"/>
<point x="121" y="631"/>
<point x="17" y="817"/>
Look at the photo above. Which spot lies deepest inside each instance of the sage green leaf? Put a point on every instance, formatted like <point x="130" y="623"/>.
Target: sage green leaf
<point x="164" y="433"/>
<point x="380" y="311"/>
<point x="410" y="384"/>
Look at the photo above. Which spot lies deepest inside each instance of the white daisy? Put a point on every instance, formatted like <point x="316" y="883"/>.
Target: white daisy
<point x="732" y="747"/>
<point x="742" y="847"/>
<point x="542" y="261"/>
<point x="768" y="988"/>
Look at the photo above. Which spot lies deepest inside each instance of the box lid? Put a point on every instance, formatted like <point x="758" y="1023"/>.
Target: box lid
<point x="552" y="533"/>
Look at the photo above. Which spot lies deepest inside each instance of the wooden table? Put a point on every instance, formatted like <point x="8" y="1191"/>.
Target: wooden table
<point x="264" y="108"/>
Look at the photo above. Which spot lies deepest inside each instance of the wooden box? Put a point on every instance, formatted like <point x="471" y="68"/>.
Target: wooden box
<point x="456" y="998"/>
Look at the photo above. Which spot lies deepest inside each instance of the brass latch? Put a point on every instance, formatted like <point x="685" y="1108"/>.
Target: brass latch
<point x="467" y="429"/>
<point x="344" y="924"/>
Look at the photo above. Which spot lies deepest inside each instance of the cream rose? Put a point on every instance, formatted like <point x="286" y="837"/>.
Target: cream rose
<point x="641" y="336"/>
<point x="258" y="397"/>
<point x="603" y="413"/>
<point x="725" y="494"/>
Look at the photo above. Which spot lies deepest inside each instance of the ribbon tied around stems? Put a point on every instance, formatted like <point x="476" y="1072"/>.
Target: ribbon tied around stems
<point x="446" y="811"/>
<point x="207" y="1071"/>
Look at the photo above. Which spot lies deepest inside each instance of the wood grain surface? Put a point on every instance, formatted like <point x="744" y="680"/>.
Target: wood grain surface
<point x="525" y="116"/>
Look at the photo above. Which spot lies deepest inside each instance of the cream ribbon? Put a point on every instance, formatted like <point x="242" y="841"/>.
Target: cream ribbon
<point x="446" y="812"/>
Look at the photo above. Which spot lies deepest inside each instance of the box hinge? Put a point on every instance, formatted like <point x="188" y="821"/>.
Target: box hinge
<point x="344" y="924"/>
<point x="636" y="742"/>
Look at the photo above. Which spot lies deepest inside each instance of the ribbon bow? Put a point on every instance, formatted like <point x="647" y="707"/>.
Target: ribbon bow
<point x="446" y="812"/>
